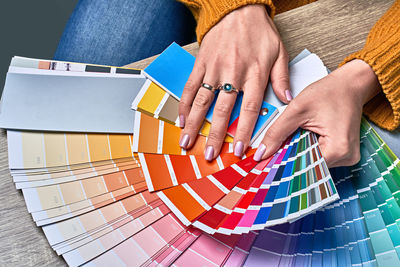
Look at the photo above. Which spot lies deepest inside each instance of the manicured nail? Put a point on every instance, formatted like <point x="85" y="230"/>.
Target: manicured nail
<point x="184" y="141"/>
<point x="238" y="149"/>
<point x="289" y="96"/>
<point x="209" y="153"/>
<point x="259" y="153"/>
<point x="181" y="121"/>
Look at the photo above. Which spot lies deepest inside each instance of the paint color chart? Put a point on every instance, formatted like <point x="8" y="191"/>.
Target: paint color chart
<point x="106" y="198"/>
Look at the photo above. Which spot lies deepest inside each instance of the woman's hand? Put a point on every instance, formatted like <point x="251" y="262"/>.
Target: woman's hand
<point x="243" y="49"/>
<point x="332" y="108"/>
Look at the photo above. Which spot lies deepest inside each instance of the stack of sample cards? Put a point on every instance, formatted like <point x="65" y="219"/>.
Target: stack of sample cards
<point x="124" y="193"/>
<point x="361" y="229"/>
<point x="243" y="196"/>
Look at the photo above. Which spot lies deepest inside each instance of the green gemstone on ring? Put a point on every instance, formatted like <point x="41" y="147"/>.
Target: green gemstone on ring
<point x="228" y="87"/>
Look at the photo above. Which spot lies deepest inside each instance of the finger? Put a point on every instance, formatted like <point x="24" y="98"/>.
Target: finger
<point x="339" y="152"/>
<point x="252" y="98"/>
<point x="288" y="122"/>
<point x="280" y="76"/>
<point x="198" y="111"/>
<point x="189" y="92"/>
<point x="220" y="119"/>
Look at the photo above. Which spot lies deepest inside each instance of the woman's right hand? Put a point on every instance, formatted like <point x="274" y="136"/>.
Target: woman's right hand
<point x="332" y="108"/>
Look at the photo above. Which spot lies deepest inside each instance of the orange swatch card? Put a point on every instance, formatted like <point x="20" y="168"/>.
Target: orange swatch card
<point x="163" y="171"/>
<point x="158" y="137"/>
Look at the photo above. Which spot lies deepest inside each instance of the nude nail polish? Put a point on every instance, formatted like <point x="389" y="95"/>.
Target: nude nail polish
<point x="184" y="141"/>
<point x="260" y="152"/>
<point x="288" y="95"/>
<point x="238" y="149"/>
<point x="209" y="153"/>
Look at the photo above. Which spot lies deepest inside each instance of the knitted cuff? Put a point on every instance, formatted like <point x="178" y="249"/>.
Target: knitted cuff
<point x="382" y="53"/>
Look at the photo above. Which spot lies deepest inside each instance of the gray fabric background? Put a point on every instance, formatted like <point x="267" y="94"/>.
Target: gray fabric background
<point x="31" y="28"/>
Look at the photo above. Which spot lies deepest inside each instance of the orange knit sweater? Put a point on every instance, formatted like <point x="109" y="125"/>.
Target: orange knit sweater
<point x="381" y="51"/>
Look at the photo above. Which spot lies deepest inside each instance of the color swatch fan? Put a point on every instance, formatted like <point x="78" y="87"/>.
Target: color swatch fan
<point x="238" y="198"/>
<point x="123" y="192"/>
<point x="245" y="195"/>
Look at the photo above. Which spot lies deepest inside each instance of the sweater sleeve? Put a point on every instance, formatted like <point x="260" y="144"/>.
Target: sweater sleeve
<point x="382" y="53"/>
<point x="210" y="12"/>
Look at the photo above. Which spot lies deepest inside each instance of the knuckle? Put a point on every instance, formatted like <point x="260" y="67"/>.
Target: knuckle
<point x="258" y="69"/>
<point x="222" y="109"/>
<point x="190" y="87"/>
<point x="280" y="77"/>
<point x="273" y="135"/>
<point x="295" y="107"/>
<point x="243" y="133"/>
<point x="200" y="67"/>
<point x="190" y="126"/>
<point x="184" y="104"/>
<point x="235" y="62"/>
<point x="202" y="101"/>
<point x="251" y="106"/>
<point x="216" y="136"/>
<point x="284" y="52"/>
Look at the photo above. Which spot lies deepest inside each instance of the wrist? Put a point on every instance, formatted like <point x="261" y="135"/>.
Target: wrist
<point x="249" y="13"/>
<point x="362" y="80"/>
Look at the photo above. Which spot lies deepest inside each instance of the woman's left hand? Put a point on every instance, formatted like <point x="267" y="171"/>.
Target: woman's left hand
<point x="332" y="108"/>
<point x="244" y="49"/>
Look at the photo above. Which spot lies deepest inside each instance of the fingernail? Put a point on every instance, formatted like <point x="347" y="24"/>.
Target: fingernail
<point x="209" y="153"/>
<point x="259" y="153"/>
<point x="181" y="121"/>
<point x="238" y="149"/>
<point x="184" y="141"/>
<point x="289" y="96"/>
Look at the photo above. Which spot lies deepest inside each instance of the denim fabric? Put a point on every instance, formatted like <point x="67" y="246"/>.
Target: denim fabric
<point x="118" y="32"/>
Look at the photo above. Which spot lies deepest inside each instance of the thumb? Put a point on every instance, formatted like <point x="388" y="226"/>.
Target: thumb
<point x="280" y="76"/>
<point x="287" y="123"/>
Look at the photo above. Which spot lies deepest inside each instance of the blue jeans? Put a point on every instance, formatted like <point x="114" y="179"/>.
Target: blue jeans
<point x="118" y="32"/>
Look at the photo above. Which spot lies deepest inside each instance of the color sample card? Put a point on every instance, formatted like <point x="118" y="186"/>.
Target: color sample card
<point x="32" y="63"/>
<point x="171" y="69"/>
<point x="77" y="102"/>
<point x="158" y="103"/>
<point x="70" y="177"/>
<point x="163" y="171"/>
<point x="53" y="215"/>
<point x="53" y="196"/>
<point x="36" y="150"/>
<point x="156" y="136"/>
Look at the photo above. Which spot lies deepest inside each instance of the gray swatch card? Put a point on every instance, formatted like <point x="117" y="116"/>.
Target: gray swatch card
<point x="69" y="103"/>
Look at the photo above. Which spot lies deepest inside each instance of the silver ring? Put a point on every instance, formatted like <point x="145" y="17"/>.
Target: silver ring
<point x="228" y="88"/>
<point x="207" y="86"/>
